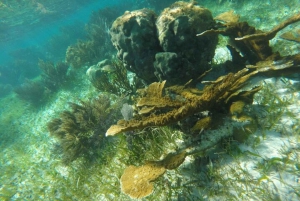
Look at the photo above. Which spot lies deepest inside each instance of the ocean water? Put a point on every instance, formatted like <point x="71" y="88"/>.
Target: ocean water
<point x="65" y="80"/>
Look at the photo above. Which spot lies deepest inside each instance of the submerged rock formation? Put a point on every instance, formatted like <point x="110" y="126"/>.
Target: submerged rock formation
<point x="165" y="47"/>
<point x="134" y="36"/>
<point x="184" y="56"/>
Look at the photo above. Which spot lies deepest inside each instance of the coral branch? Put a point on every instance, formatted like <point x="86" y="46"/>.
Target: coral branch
<point x="181" y="102"/>
<point x="271" y="34"/>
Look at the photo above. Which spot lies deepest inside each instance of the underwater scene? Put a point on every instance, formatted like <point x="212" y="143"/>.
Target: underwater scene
<point x="150" y="100"/>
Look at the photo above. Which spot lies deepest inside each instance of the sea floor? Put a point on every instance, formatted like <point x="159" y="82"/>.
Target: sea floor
<point x="265" y="167"/>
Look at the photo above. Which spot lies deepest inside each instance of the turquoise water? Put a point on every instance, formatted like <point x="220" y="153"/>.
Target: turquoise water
<point x="63" y="84"/>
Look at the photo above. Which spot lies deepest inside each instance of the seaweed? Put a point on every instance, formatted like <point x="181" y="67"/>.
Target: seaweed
<point x="97" y="46"/>
<point x="54" y="75"/>
<point x="81" y="130"/>
<point x="32" y="91"/>
<point x="115" y="81"/>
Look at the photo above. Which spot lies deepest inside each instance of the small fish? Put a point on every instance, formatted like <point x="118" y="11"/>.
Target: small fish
<point x="108" y="68"/>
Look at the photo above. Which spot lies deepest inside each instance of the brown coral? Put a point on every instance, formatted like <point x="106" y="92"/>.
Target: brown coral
<point x="254" y="44"/>
<point x="228" y="17"/>
<point x="137" y="181"/>
<point x="272" y="33"/>
<point x="181" y="101"/>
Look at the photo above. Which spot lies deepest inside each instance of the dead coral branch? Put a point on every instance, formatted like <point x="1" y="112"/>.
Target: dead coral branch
<point x="252" y="43"/>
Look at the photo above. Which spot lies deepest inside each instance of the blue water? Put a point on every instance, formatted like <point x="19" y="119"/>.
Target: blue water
<point x="39" y="35"/>
<point x="29" y="44"/>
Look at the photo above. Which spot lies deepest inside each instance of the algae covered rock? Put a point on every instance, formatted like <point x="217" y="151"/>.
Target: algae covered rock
<point x="134" y="36"/>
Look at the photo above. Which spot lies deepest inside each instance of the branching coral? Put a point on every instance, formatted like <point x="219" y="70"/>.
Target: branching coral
<point x="82" y="129"/>
<point x="254" y="44"/>
<point x="181" y="102"/>
<point x="271" y="34"/>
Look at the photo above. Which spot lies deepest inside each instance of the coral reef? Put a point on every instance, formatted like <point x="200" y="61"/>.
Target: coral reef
<point x="53" y="76"/>
<point x="225" y="98"/>
<point x="81" y="53"/>
<point x="252" y="43"/>
<point x="184" y="56"/>
<point x="81" y="130"/>
<point x="134" y="36"/>
<point x="137" y="181"/>
<point x="182" y="140"/>
<point x="181" y="102"/>
<point x="69" y="34"/>
<point x="165" y="47"/>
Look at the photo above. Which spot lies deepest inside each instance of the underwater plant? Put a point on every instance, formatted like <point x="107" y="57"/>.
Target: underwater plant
<point x="111" y="76"/>
<point x="97" y="46"/>
<point x="23" y="65"/>
<point x="32" y="91"/>
<point x="56" y="46"/>
<point x="81" y="53"/>
<point x="81" y="131"/>
<point x="53" y="75"/>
